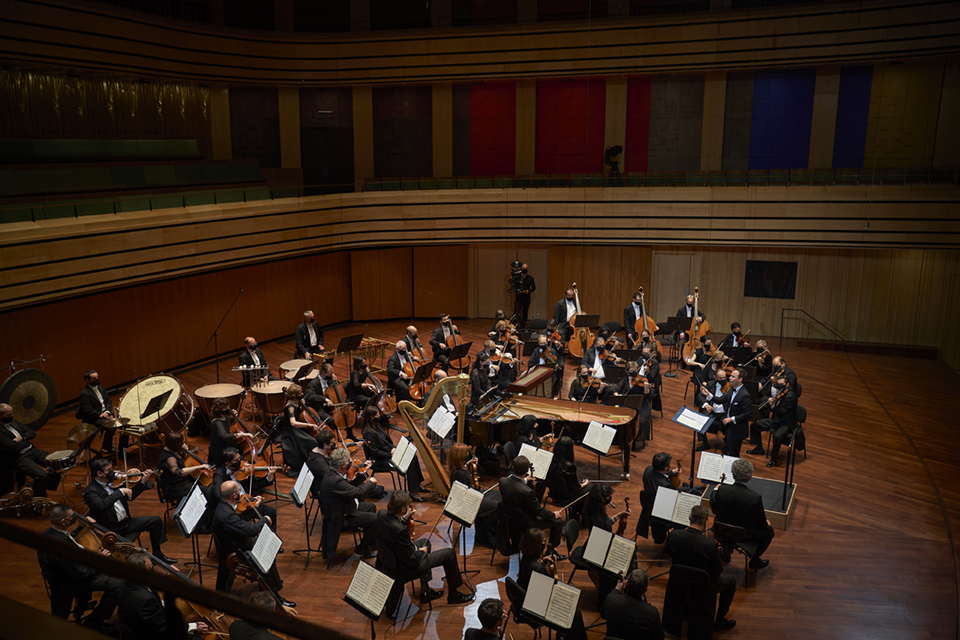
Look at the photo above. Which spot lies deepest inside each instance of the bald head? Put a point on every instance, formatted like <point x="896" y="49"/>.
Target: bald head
<point x="6" y="412"/>
<point x="230" y="491"/>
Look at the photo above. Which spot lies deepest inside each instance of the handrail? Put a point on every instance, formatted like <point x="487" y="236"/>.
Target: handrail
<point x="782" y="311"/>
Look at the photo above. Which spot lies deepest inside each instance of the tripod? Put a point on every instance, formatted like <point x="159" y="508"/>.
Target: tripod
<point x="614" y="178"/>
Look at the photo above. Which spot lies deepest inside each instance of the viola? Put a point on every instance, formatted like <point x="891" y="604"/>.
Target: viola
<point x="675" y="479"/>
<point x="622" y="520"/>
<point x="356" y="466"/>
<point x="124" y="478"/>
<point x="474" y="473"/>
<point x="247" y="501"/>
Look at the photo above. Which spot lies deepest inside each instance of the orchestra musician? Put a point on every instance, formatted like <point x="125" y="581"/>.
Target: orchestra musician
<point x="296" y="436"/>
<point x="241" y="629"/>
<point x="516" y="492"/>
<point x="438" y="340"/>
<point x="782" y="421"/>
<point x="412" y="339"/>
<point x="97" y="409"/>
<point x="318" y="460"/>
<point x="143" y="615"/>
<point x="656" y="475"/>
<point x="647" y="341"/>
<point x="308" y="337"/>
<point x="480" y="377"/>
<point x="582" y="391"/>
<point x="565" y="309"/>
<point x="702" y="356"/>
<point x="405" y="559"/>
<point x="738" y="505"/>
<point x="779" y="364"/>
<point x="380" y="448"/>
<point x="492" y="619"/>
<point x="226" y="472"/>
<point x="527" y="286"/>
<point x="594" y="359"/>
<point x="314" y="395"/>
<point x="527" y="432"/>
<point x="762" y="360"/>
<point x="711" y="399"/>
<point x="174" y="477"/>
<point x="535" y="559"/>
<point x="546" y="354"/>
<point x="506" y="371"/>
<point x="499" y="327"/>
<point x="238" y="534"/>
<point x="735" y="339"/>
<point x="109" y="506"/>
<point x="221" y="437"/>
<point x="686" y="311"/>
<point x="691" y="547"/>
<point x="251" y="356"/>
<point x="397" y="378"/>
<point x="631" y="385"/>
<point x="458" y="458"/>
<point x="562" y="479"/>
<point x="356" y="392"/>
<point x="69" y="579"/>
<point x="631" y="313"/>
<point x="627" y="612"/>
<point x="18" y="453"/>
<point x="346" y="507"/>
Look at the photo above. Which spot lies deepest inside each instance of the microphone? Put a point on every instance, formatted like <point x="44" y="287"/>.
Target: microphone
<point x="241" y="291"/>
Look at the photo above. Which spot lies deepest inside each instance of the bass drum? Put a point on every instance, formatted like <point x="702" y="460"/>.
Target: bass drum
<point x="158" y="400"/>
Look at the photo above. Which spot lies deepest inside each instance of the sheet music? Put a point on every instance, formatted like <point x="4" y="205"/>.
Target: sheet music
<point x="442" y="421"/>
<point x="463" y="502"/>
<point x="265" y="549"/>
<point x="681" y="513"/>
<point x="692" y="419"/>
<point x="193" y="510"/>
<point x="403" y="454"/>
<point x="712" y="465"/>
<point x="538" y="594"/>
<point x="301" y="489"/>
<point x="599" y="437"/>
<point x="563" y="605"/>
<point x="597" y="545"/>
<point x="620" y="555"/>
<point x="369" y="588"/>
<point x="539" y="458"/>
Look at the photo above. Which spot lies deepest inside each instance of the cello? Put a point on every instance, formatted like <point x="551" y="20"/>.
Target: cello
<point x="418" y="391"/>
<point x="645" y="322"/>
<point x="698" y="329"/>
<point x="343" y="416"/>
<point x="583" y="335"/>
<point x="453" y="340"/>
<point x="386" y="404"/>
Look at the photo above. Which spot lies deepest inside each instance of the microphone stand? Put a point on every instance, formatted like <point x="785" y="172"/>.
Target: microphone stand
<point x="216" y="349"/>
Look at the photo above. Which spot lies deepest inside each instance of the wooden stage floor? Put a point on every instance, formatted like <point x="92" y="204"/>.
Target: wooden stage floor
<point x="868" y="552"/>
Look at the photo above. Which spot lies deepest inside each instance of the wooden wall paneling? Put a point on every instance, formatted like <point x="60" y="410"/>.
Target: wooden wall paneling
<point x="600" y="286"/>
<point x="950" y="340"/>
<point x="396" y="283"/>
<point x="329" y="289"/>
<point x="538" y="259"/>
<point x="636" y="270"/>
<point x="673" y="272"/>
<point x="490" y="281"/>
<point x="714" y="101"/>
<point x="442" y="97"/>
<point x="440" y="281"/>
<point x="947" y="150"/>
<point x="526" y="127"/>
<point x="220" y="123"/>
<point x="365" y="284"/>
<point x="288" y="102"/>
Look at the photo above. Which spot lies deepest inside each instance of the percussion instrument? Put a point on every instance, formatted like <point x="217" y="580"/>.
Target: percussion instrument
<point x="206" y="394"/>
<point x="60" y="461"/>
<point x="161" y="400"/>
<point x="32" y="395"/>
<point x="269" y="396"/>
<point x="290" y="368"/>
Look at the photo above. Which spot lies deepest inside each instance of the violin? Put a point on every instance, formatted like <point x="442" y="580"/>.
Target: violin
<point x="247" y="469"/>
<point x="411" y="524"/>
<point x="356" y="466"/>
<point x="474" y="473"/>
<point x="247" y="501"/>
<point x="622" y="520"/>
<point x="124" y="478"/>
<point x="675" y="479"/>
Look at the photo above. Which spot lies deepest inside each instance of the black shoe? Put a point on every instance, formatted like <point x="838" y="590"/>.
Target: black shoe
<point x="756" y="451"/>
<point x="416" y="497"/>
<point x="460" y="598"/>
<point x="772" y="462"/>
<point x="287" y="603"/>
<point x="430" y="594"/>
<point x="365" y="553"/>
<point x="704" y="447"/>
<point x="759" y="563"/>
<point x="281" y="550"/>
<point x="166" y="559"/>
<point x="102" y="627"/>
<point x="724" y="624"/>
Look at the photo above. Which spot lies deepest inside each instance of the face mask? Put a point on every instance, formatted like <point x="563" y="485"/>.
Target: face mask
<point x="234" y="465"/>
<point x="111" y="475"/>
<point x="6" y="420"/>
<point x="524" y="271"/>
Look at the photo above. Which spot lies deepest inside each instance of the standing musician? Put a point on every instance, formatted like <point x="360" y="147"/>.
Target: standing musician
<point x="439" y="340"/>
<point x="97" y="409"/>
<point x="627" y="612"/>
<point x="253" y="357"/>
<point x="19" y="454"/>
<point x="738" y="505"/>
<point x="232" y="464"/>
<point x="565" y="309"/>
<point x="686" y="311"/>
<point x="657" y="475"/>
<point x="143" y="614"/>
<point x="548" y="355"/>
<point x="346" y="506"/>
<point x="308" y="337"/>
<point x="175" y="479"/>
<point x="582" y="391"/>
<point x="380" y="449"/>
<point x="357" y="393"/>
<point x="632" y="313"/>
<point x="237" y="535"/>
<point x="404" y="558"/>
<point x="108" y="506"/>
<point x="527" y="286"/>
<point x="516" y="492"/>
<point x="243" y="630"/>
<point x="711" y="398"/>
<point x="480" y="377"/>
<point x="782" y="421"/>
<point x="221" y="437"/>
<point x="71" y="579"/>
<point x="397" y="378"/>
<point x="314" y="396"/>
<point x="735" y="339"/>
<point x="691" y="547"/>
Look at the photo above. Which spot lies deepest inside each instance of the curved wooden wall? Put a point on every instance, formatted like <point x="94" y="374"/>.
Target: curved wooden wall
<point x="92" y="37"/>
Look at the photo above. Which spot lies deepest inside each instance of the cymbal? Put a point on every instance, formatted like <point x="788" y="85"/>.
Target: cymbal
<point x="77" y="435"/>
<point x="32" y="395"/>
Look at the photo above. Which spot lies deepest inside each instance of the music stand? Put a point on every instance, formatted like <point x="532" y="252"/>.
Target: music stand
<point x="458" y="352"/>
<point x="189" y="532"/>
<point x="349" y="343"/>
<point x="738" y="355"/>
<point x="584" y="321"/>
<point x="299" y="494"/>
<point x="698" y="423"/>
<point x="672" y="326"/>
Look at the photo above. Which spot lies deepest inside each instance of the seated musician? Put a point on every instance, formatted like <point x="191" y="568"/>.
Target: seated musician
<point x="379" y="447"/>
<point x="412" y="338"/>
<point x="517" y="493"/>
<point x="562" y="479"/>
<point x="492" y="619"/>
<point x="506" y="371"/>
<point x="397" y="378"/>
<point x="109" y="506"/>
<point x="762" y="360"/>
<point x="18" y="453"/>
<point x="346" y="507"/>
<point x="595" y="358"/>
<point x="438" y="340"/>
<point x="780" y="367"/>
<point x="69" y="579"/>
<point x="535" y="559"/>
<point x="238" y="534"/>
<point x="404" y="559"/>
<point x="357" y="393"/>
<point x="295" y="436"/>
<point x="711" y="399"/>
<point x="227" y="472"/>
<point x="647" y="341"/>
<point x="314" y="396"/>
<point x="142" y="613"/>
<point x="548" y="355"/>
<point x="632" y="385"/>
<point x="527" y="432"/>
<point x="175" y="479"/>
<point x="318" y="460"/>
<point x="691" y="547"/>
<point x="438" y="375"/>
<point x="457" y="466"/>
<point x="650" y="366"/>
<point x="782" y="421"/>
<point x="499" y="327"/>
<point x="490" y="348"/>
<point x="735" y="339"/>
<point x="738" y="505"/>
<point x="97" y="409"/>
<point x="627" y="612"/>
<point x="595" y="515"/>
<point x="308" y="337"/>
<point x="221" y="437"/>
<point x="584" y="388"/>
<point x="702" y="356"/>
<point x="251" y="356"/>
<point x="481" y="377"/>
<point x="243" y="630"/>
<point x="565" y="309"/>
<point x="655" y="476"/>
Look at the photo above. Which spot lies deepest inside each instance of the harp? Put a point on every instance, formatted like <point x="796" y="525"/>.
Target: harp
<point x="411" y="414"/>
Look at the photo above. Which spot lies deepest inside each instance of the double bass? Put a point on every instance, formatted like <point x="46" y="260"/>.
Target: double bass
<point x="699" y="329"/>
<point x="645" y="322"/>
<point x="583" y="335"/>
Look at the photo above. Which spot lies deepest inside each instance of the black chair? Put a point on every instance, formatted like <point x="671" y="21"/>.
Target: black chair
<point x="511" y="523"/>
<point x="384" y="466"/>
<point x="66" y="599"/>
<point x="169" y="505"/>
<point x="571" y="532"/>
<point x="331" y="530"/>
<point x="797" y="437"/>
<point x="733" y="538"/>
<point x="516" y="595"/>
<point x="537" y="324"/>
<point x="387" y="562"/>
<point x="689" y="597"/>
<point x="224" y="575"/>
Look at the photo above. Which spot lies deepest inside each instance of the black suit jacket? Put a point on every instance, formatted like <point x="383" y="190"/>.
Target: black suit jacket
<point x="302" y="337"/>
<point x="10" y="450"/>
<point x="246" y="360"/>
<point x="90" y="408"/>
<point x="394" y="368"/>
<point x="319" y="466"/>
<point x="142" y="613"/>
<point x="237" y="533"/>
<point x="517" y="493"/>
<point x="628" y="617"/>
<point x="393" y="539"/>
<point x="341" y="495"/>
<point x="560" y="312"/>
<point x="67" y="573"/>
<point x="101" y="503"/>
<point x="243" y="630"/>
<point x="653" y="371"/>
<point x="682" y="313"/>
<point x="653" y="480"/>
<point x="785" y="411"/>
<point x="437" y="341"/>
<point x="738" y="505"/>
<point x="630" y="320"/>
<point x="534" y="360"/>
<point x="739" y="407"/>
<point x="728" y="341"/>
<point x="691" y="548"/>
<point x="479" y="634"/>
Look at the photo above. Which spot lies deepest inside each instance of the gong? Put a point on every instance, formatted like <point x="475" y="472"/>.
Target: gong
<point x="32" y="395"/>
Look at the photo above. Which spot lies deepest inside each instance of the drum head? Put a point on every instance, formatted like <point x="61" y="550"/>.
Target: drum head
<point x="222" y="390"/>
<point x="32" y="395"/>
<point x="136" y="404"/>
<point x="270" y="388"/>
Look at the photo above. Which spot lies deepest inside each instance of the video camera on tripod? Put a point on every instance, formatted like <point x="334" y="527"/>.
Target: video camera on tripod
<point x="516" y="276"/>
